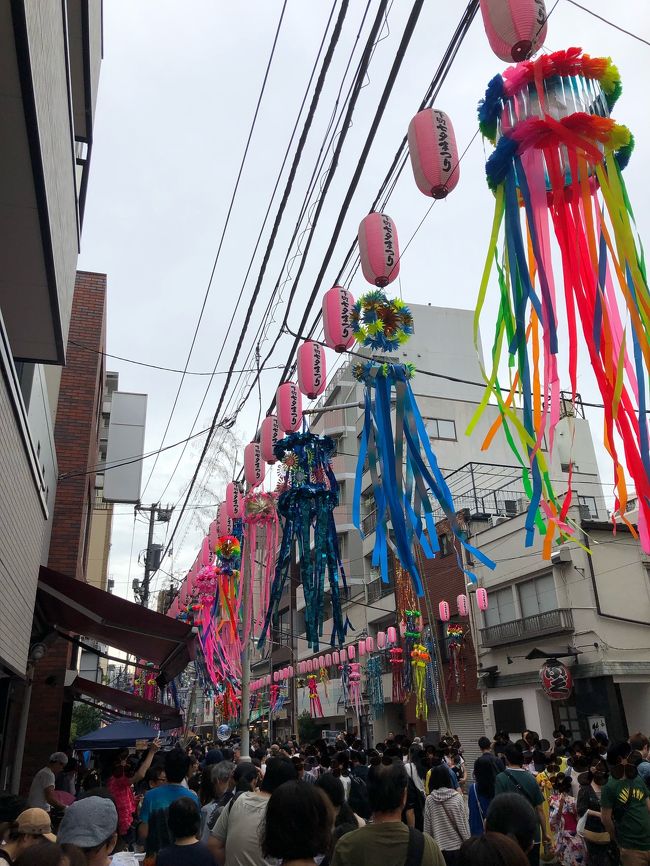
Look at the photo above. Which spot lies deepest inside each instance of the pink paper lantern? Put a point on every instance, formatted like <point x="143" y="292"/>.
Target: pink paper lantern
<point x="336" y="660"/>
<point x="267" y="679"/>
<point x="310" y="665"/>
<point x="381" y="640"/>
<point x="234" y="504"/>
<point x="392" y="634"/>
<point x="370" y="644"/>
<point x="205" y="551"/>
<point x="482" y="598"/>
<point x="328" y="660"/>
<point x="254" y="466"/>
<point x="337" y="318"/>
<point x="289" y="402"/>
<point x="224" y="523"/>
<point x="213" y="533"/>
<point x="290" y="671"/>
<point x="352" y="651"/>
<point x="462" y="603"/>
<point x="434" y="154"/>
<point x="443" y="610"/>
<point x="343" y="656"/>
<point x="515" y="29"/>
<point x="276" y="676"/>
<point x="378" y="249"/>
<point x="362" y="647"/>
<point x="301" y="667"/>
<point x="312" y="369"/>
<point x="270" y="434"/>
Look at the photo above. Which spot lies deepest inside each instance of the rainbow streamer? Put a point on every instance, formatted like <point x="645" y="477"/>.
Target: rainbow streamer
<point x="556" y="170"/>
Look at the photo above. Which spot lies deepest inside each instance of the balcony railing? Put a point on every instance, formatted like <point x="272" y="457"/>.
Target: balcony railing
<point x="539" y="625"/>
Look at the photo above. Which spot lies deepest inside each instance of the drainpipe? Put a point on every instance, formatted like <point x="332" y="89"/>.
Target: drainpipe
<point x="37" y="652"/>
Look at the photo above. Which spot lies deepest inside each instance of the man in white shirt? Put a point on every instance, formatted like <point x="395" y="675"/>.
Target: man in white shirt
<point x="235" y="838"/>
<point x="41" y="792"/>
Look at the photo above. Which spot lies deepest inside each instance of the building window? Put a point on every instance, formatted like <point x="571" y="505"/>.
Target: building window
<point x="501" y="608"/>
<point x="589" y="502"/>
<point x="509" y="715"/>
<point x="440" y="428"/>
<point x="446" y="544"/>
<point x="537" y="596"/>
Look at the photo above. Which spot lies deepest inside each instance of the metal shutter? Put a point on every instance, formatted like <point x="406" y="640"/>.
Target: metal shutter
<point x="467" y="722"/>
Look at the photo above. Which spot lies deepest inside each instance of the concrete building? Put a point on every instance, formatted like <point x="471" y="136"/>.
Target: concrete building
<point x="51" y="53"/>
<point x="593" y="608"/>
<point x="482" y="482"/>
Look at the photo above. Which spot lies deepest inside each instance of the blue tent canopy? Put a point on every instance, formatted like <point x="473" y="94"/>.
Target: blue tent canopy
<point x="118" y="735"/>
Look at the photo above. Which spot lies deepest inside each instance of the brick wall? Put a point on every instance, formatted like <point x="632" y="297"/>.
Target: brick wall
<point x="76" y="432"/>
<point x="76" y="435"/>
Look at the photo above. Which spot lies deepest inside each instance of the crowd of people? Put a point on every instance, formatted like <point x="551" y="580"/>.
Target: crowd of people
<point x="403" y="803"/>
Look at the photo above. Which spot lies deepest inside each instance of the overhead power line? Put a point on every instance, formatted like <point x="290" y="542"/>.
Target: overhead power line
<point x="223" y="235"/>
<point x="610" y="23"/>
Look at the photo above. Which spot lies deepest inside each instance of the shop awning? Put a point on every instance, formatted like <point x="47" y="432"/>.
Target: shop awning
<point x="71" y="605"/>
<point x="167" y="717"/>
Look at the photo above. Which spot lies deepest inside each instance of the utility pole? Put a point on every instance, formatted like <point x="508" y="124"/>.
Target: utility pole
<point x="152" y="553"/>
<point x="245" y="711"/>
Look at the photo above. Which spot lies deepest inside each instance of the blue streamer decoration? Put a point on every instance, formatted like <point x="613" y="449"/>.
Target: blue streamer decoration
<point x="306" y="510"/>
<point x="404" y="473"/>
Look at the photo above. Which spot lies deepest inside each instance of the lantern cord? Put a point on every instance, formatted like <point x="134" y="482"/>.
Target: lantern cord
<point x="221" y="240"/>
<point x="301" y="143"/>
<point x="381" y="107"/>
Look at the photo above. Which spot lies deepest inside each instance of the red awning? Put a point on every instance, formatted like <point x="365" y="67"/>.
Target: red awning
<point x="71" y="605"/>
<point x="168" y="717"/>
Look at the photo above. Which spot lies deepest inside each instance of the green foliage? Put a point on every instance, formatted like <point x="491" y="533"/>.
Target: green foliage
<point x="84" y="720"/>
<point x="307" y="728"/>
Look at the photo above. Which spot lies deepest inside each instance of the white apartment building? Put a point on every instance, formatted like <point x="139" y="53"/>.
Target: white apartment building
<point x="486" y="483"/>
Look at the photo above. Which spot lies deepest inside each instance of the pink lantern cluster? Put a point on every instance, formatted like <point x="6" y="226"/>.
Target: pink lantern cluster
<point x="462" y="605"/>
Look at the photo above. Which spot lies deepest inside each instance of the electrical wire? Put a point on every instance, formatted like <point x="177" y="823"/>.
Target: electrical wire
<point x="611" y="23"/>
<point x="213" y="426"/>
<point x="278" y="218"/>
<point x="223" y="235"/>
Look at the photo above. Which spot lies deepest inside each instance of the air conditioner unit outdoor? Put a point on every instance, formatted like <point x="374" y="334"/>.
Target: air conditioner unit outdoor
<point x="499" y="518"/>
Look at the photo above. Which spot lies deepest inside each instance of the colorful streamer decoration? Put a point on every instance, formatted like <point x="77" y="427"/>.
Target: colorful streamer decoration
<point x="403" y="468"/>
<point x="557" y="170"/>
<point x="420" y="658"/>
<point x="456" y="673"/>
<point x="375" y="687"/>
<point x="307" y="498"/>
<point x="354" y="688"/>
<point x="261" y="530"/>
<point x="315" y="707"/>
<point x="397" y="665"/>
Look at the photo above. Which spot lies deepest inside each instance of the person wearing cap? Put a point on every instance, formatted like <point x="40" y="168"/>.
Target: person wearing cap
<point x="42" y="793"/>
<point x="30" y="827"/>
<point x="91" y="824"/>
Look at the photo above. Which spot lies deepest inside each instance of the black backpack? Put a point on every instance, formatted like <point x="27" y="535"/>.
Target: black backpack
<point x="358" y="797"/>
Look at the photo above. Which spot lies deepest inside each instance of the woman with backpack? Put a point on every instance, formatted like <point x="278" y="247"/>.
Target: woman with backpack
<point x="480" y="795"/>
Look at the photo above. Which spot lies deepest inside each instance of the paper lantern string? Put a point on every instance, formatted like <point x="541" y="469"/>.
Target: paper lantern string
<point x="404" y="473"/>
<point x="306" y="502"/>
<point x="557" y="170"/>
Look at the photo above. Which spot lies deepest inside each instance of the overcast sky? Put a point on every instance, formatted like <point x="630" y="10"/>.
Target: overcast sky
<point x="178" y="87"/>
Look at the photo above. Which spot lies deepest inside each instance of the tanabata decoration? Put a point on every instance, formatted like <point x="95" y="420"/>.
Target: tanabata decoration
<point x="344" y="669"/>
<point x="355" y="688"/>
<point x="261" y="532"/>
<point x="556" y="680"/>
<point x="434" y="679"/>
<point x="315" y="708"/>
<point x="397" y="665"/>
<point x="403" y="468"/>
<point x="374" y="686"/>
<point x="420" y="658"/>
<point x="308" y="494"/>
<point x="455" y="650"/>
<point x="557" y="171"/>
